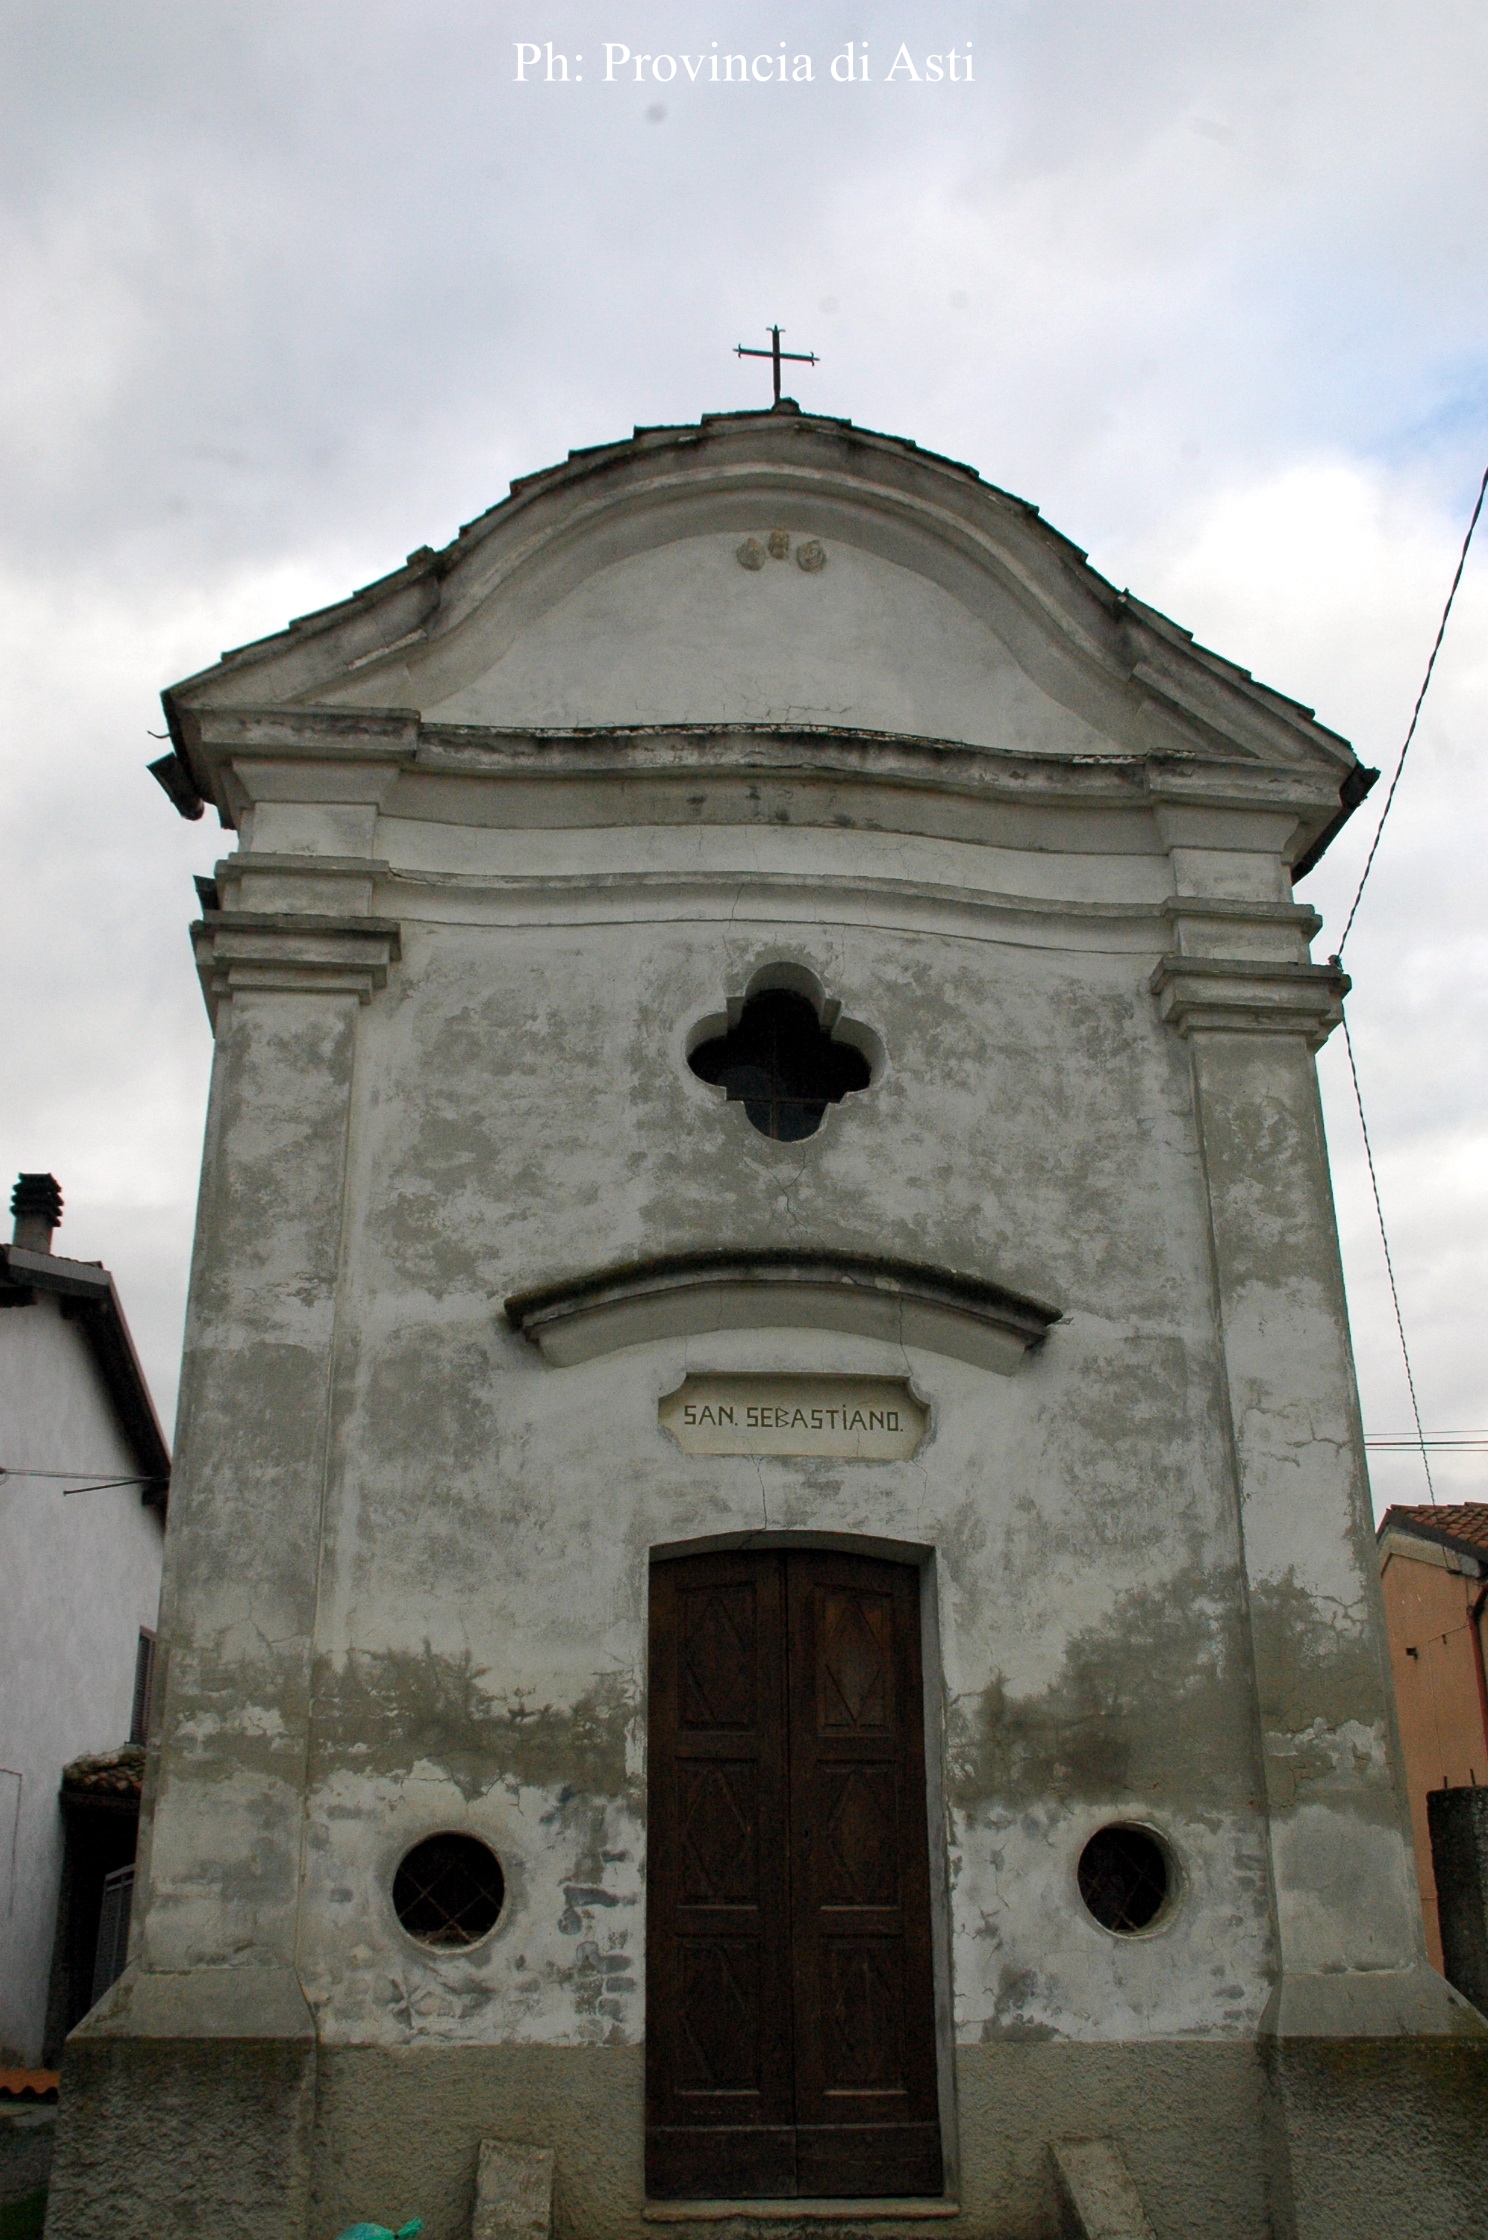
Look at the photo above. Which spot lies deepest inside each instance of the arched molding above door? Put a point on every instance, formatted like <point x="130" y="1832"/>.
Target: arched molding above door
<point x="686" y="1295"/>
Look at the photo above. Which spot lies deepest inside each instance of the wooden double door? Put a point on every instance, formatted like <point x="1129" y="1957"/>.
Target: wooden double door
<point x="790" y="2034"/>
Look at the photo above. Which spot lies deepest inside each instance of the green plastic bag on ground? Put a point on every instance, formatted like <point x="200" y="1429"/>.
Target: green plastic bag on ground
<point x="381" y="2232"/>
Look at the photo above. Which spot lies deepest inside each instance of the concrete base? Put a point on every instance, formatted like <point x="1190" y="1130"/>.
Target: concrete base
<point x="399" y="2134"/>
<point x="1335" y="2139"/>
<point x="1381" y="2135"/>
<point x="158" y="2139"/>
<point x="168" y="2125"/>
<point x="1189" y="2121"/>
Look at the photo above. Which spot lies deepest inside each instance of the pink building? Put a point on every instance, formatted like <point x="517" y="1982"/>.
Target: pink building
<point x="1434" y="1572"/>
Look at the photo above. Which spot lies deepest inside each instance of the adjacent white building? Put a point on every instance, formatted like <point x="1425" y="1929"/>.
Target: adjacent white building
<point x="83" y="1474"/>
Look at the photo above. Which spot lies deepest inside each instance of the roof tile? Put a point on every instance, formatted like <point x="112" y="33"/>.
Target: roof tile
<point x="29" y="2084"/>
<point x="1463" y="1524"/>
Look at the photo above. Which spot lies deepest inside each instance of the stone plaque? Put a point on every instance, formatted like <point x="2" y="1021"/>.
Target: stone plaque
<point x="874" y="1419"/>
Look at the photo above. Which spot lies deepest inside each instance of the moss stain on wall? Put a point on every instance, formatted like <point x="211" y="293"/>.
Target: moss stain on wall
<point x="1142" y="1706"/>
<point x="385" y="1711"/>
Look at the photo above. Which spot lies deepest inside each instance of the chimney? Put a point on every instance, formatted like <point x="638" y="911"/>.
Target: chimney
<point x="36" y="1202"/>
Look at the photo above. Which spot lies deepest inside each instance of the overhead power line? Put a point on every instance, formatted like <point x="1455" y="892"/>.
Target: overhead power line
<point x="89" y="1481"/>
<point x="1441" y="632"/>
<point x="1457" y="1441"/>
<point x="1379" y="1214"/>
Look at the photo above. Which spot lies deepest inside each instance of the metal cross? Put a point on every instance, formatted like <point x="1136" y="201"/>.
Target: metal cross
<point x="775" y="355"/>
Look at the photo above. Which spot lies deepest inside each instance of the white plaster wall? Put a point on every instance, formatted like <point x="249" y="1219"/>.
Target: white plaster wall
<point x="81" y="1575"/>
<point x="684" y="633"/>
<point x="522" y="1110"/>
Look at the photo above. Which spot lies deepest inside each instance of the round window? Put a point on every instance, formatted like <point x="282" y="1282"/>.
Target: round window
<point x="448" y="1891"/>
<point x="1126" y="1878"/>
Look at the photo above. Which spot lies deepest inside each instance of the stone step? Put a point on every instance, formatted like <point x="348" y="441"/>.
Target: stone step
<point x="1097" y="2199"/>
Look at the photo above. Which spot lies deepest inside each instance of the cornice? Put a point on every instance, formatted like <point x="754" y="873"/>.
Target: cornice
<point x="1198" y="995"/>
<point x="1298" y="917"/>
<point x="292" y="953"/>
<point x="690" y="1294"/>
<point x="221" y="745"/>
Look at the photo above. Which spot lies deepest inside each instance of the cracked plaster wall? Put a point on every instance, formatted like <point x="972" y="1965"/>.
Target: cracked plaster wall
<point x="520" y="1111"/>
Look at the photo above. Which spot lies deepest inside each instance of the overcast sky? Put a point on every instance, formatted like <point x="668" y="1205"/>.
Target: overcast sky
<point x="293" y="289"/>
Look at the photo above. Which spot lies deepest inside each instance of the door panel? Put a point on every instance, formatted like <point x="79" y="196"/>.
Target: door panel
<point x="720" y="2113"/>
<point x="867" y="2113"/>
<point x="790" y="2027"/>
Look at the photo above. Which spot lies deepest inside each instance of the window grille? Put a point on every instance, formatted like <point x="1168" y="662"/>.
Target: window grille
<point x="113" y="1930"/>
<point x="144" y="1684"/>
<point x="449" y="1890"/>
<point x="1124" y="1879"/>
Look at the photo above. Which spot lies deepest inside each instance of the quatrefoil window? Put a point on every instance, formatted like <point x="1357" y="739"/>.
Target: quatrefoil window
<point x="783" y="1063"/>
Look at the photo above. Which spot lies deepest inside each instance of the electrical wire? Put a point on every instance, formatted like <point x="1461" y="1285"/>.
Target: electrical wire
<point x="1448" y="1441"/>
<point x="1415" y="715"/>
<point x="95" y="1481"/>
<point x="1453" y="1442"/>
<point x="1420" y="1443"/>
<point x="1379" y="1214"/>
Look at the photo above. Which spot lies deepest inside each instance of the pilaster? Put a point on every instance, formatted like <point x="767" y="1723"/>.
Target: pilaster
<point x="208" y="2033"/>
<point x="1350" y="1956"/>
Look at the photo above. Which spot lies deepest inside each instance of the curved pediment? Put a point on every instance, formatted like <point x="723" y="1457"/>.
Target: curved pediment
<point x="689" y="1295"/>
<point x="770" y="568"/>
<point x="686" y="632"/>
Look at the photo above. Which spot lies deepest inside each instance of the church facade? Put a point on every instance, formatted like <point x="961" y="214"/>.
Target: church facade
<point x="770" y="1584"/>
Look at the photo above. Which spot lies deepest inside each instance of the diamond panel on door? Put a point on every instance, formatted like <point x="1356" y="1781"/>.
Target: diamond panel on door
<point x="719" y="2018"/>
<point x="718" y="1657"/>
<point x="720" y="1834"/>
<point x="855" y="1676"/>
<point x="864" y="2039"/>
<point x="860" y="1836"/>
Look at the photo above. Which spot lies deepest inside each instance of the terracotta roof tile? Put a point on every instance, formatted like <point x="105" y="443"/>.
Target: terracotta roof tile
<point x="29" y="2084"/>
<point x="1462" y="1524"/>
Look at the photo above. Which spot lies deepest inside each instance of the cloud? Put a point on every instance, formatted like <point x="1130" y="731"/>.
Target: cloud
<point x="108" y="1045"/>
<point x="1328" y="579"/>
<point x="293" y="290"/>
